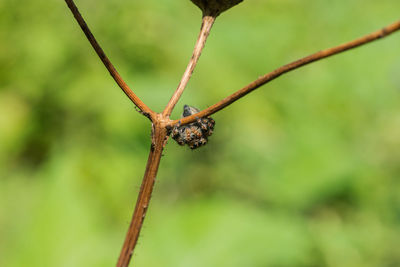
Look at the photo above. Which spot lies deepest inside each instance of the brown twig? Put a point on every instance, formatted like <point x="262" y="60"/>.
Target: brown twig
<point x="206" y="26"/>
<point x="159" y="138"/>
<point x="162" y="123"/>
<point x="145" y="110"/>
<point x="287" y="68"/>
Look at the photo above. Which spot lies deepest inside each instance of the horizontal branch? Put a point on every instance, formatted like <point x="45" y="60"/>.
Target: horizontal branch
<point x="118" y="79"/>
<point x="290" y="67"/>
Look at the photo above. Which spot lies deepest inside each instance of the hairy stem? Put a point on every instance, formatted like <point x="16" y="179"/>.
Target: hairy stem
<point x="386" y="31"/>
<point x="205" y="29"/>
<point x="107" y="63"/>
<point x="159" y="137"/>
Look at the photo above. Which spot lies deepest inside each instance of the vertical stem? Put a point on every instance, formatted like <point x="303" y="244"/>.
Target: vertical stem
<point x="159" y="135"/>
<point x="205" y="29"/>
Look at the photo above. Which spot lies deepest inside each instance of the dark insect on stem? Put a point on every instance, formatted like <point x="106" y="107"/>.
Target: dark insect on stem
<point x="194" y="134"/>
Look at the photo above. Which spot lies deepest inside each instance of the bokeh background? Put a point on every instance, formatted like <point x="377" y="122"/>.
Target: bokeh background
<point x="303" y="172"/>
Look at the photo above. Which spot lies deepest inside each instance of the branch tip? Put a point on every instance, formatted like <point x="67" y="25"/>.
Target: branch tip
<point x="382" y="33"/>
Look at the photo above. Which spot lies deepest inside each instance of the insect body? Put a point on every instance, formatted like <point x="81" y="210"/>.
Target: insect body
<point x="194" y="134"/>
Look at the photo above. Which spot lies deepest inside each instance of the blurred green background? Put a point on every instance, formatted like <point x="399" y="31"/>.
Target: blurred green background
<point x="303" y="172"/>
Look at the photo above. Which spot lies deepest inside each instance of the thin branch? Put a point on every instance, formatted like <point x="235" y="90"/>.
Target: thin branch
<point x="118" y="79"/>
<point x="205" y="29"/>
<point x="289" y="67"/>
<point x="159" y="138"/>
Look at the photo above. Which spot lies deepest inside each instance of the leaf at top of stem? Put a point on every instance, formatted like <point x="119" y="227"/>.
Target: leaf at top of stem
<point x="215" y="7"/>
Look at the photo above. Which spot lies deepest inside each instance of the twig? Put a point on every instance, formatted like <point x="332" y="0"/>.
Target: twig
<point x="145" y="110"/>
<point x="162" y="123"/>
<point x="206" y="25"/>
<point x="159" y="138"/>
<point x="289" y="67"/>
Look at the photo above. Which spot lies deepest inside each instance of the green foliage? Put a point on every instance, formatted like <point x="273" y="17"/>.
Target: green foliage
<point x="303" y="172"/>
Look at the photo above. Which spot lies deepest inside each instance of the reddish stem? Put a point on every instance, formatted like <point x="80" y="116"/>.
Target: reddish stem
<point x="107" y="63"/>
<point x="159" y="138"/>
<point x="289" y="67"/>
<point x="205" y="29"/>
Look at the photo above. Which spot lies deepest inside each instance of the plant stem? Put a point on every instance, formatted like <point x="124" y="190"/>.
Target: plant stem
<point x="159" y="137"/>
<point x="107" y="63"/>
<point x="205" y="29"/>
<point x="290" y="67"/>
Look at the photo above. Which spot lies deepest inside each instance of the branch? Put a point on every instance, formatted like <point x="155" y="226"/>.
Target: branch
<point x="159" y="138"/>
<point x="289" y="67"/>
<point x="206" y="25"/>
<point x="118" y="79"/>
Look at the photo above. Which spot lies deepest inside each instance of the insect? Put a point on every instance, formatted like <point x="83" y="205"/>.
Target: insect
<point x="194" y="134"/>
